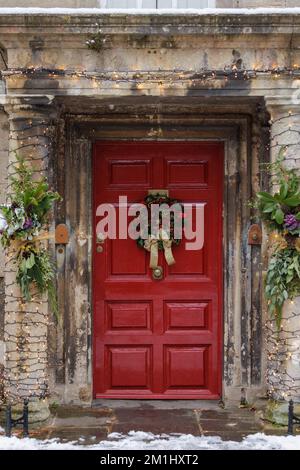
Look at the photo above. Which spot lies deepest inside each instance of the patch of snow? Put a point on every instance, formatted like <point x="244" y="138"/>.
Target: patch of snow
<point x="138" y="440"/>
<point x="145" y="11"/>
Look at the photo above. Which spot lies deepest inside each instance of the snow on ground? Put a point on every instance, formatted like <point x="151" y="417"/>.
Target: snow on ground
<point x="137" y="440"/>
<point x="145" y="11"/>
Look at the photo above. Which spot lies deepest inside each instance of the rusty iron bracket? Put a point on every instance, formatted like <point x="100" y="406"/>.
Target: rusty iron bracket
<point x="254" y="235"/>
<point x="61" y="234"/>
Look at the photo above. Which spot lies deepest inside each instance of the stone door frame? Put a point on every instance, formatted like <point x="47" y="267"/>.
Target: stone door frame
<point x="70" y="343"/>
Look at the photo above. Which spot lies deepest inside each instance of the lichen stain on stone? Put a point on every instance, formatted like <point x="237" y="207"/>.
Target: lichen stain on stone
<point x="72" y="358"/>
<point x="84" y="394"/>
<point x="44" y="84"/>
<point x="272" y="58"/>
<point x="138" y="41"/>
<point x="169" y="43"/>
<point x="67" y="18"/>
<point x="72" y="260"/>
<point x="205" y="61"/>
<point x="36" y="44"/>
<point x="237" y="60"/>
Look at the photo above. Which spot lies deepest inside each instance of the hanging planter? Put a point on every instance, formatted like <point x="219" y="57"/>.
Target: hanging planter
<point x="281" y="213"/>
<point x="24" y="229"/>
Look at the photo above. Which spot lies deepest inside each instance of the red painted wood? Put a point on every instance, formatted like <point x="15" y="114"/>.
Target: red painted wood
<point x="158" y="339"/>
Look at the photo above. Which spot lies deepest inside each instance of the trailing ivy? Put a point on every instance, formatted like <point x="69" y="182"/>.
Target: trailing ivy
<point x="281" y="213"/>
<point x="23" y="228"/>
<point x="282" y="281"/>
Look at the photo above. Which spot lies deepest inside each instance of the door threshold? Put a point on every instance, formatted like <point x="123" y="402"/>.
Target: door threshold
<point x="158" y="404"/>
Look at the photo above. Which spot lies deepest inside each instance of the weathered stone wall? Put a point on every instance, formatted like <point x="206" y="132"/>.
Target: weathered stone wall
<point x="26" y="323"/>
<point x="149" y="72"/>
<point x="3" y="171"/>
<point x="3" y="167"/>
<point x="283" y="373"/>
<point x="98" y="3"/>
<point x="260" y="4"/>
<point x="49" y="3"/>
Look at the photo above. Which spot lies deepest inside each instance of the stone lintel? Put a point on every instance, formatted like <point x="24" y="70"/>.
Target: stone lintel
<point x="228" y="23"/>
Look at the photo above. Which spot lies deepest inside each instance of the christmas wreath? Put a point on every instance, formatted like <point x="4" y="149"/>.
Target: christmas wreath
<point x="24" y="229"/>
<point x="280" y="211"/>
<point x="162" y="240"/>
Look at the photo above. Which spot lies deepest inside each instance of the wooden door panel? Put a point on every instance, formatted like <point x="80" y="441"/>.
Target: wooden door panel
<point x="185" y="366"/>
<point x="158" y="339"/>
<point x="187" y="174"/>
<point x="190" y="263"/>
<point x="125" y="173"/>
<point x="121" y="261"/>
<point x="187" y="316"/>
<point x="131" y="316"/>
<point x="129" y="366"/>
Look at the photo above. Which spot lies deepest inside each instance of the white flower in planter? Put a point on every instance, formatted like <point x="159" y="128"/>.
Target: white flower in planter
<point x="3" y="223"/>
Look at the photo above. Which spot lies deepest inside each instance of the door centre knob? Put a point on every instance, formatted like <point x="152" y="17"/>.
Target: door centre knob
<point x="157" y="273"/>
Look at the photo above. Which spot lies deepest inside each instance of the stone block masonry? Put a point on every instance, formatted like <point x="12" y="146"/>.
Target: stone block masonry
<point x="3" y="184"/>
<point x="227" y="77"/>
<point x="26" y="323"/>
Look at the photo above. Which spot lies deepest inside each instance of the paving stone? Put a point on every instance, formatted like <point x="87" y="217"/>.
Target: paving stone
<point x="80" y="421"/>
<point x="213" y="414"/>
<point x="156" y="421"/>
<point x="221" y="425"/>
<point x="73" y="411"/>
<point x="91" y="425"/>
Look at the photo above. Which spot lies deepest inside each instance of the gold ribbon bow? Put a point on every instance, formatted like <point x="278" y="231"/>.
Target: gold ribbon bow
<point x="19" y="244"/>
<point x="151" y="245"/>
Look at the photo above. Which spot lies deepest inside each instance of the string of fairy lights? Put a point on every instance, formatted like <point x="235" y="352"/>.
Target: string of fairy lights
<point x="282" y="348"/>
<point x="231" y="72"/>
<point x="27" y="324"/>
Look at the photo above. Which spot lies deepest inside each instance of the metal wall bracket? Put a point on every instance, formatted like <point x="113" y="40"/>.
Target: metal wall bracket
<point x="61" y="234"/>
<point x="254" y="235"/>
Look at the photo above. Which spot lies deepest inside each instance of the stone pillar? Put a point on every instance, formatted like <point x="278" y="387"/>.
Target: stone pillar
<point x="31" y="129"/>
<point x="3" y="165"/>
<point x="283" y="371"/>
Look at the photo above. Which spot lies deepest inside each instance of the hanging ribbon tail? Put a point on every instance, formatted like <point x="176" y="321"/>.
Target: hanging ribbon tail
<point x="152" y="245"/>
<point x="154" y="255"/>
<point x="168" y="252"/>
<point x="167" y="244"/>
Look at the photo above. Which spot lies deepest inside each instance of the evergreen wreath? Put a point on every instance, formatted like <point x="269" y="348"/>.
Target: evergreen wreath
<point x="24" y="227"/>
<point x="281" y="213"/>
<point x="161" y="200"/>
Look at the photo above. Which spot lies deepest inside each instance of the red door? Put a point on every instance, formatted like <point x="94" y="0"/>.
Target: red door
<point x="158" y="338"/>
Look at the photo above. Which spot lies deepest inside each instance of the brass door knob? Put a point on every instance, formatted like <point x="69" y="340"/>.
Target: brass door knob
<point x="99" y="249"/>
<point x="158" y="273"/>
